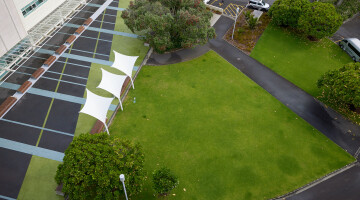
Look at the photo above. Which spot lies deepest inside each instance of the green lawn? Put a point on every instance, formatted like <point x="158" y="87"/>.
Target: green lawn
<point x="39" y="182"/>
<point x="297" y="59"/>
<point x="222" y="134"/>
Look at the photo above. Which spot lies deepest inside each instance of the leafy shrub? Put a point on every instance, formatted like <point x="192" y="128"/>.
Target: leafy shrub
<point x="252" y="21"/>
<point x="247" y="14"/>
<point x="93" y="163"/>
<point x="170" y="24"/>
<point x="342" y="85"/>
<point x="319" y="20"/>
<point x="287" y="12"/>
<point x="164" y="181"/>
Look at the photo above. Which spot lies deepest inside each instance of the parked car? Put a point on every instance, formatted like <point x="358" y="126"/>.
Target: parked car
<point x="258" y="5"/>
<point x="352" y="47"/>
<point x="206" y="1"/>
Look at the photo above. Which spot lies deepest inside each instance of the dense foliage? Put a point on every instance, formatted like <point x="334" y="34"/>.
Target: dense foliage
<point x="164" y="181"/>
<point x="348" y="8"/>
<point x="170" y="24"/>
<point x="287" y="12"/>
<point x="93" y="163"/>
<point x="319" y="20"/>
<point x="342" y="85"/>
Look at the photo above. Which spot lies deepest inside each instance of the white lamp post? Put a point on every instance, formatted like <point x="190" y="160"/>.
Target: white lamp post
<point x="237" y="12"/>
<point x="122" y="179"/>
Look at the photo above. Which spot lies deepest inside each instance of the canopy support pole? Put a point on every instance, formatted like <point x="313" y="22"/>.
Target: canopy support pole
<point x="107" y="130"/>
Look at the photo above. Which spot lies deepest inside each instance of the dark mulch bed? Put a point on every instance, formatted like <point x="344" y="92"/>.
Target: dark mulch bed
<point x="244" y="37"/>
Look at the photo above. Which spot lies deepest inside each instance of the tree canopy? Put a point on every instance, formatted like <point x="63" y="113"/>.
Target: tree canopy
<point x="342" y="85"/>
<point x="93" y="163"/>
<point x="319" y="20"/>
<point x="170" y="24"/>
<point x="287" y="12"/>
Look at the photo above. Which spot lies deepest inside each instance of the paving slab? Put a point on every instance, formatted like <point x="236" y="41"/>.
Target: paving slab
<point x="13" y="167"/>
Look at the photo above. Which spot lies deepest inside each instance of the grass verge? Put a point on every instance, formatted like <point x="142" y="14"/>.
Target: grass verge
<point x="297" y="59"/>
<point x="39" y="182"/>
<point x="222" y="134"/>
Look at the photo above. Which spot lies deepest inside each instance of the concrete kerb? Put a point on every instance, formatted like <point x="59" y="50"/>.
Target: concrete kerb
<point x="317" y="181"/>
<point x="129" y="86"/>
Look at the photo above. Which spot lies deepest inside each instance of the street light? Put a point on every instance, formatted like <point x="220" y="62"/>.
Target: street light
<point x="237" y="12"/>
<point x="122" y="179"/>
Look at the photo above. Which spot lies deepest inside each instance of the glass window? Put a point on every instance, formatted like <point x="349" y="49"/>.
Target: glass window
<point x="354" y="49"/>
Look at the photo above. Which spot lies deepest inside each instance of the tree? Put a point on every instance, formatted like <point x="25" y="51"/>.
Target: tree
<point x="93" y="163"/>
<point x="319" y="20"/>
<point x="164" y="181"/>
<point x="342" y="85"/>
<point x="170" y="24"/>
<point x="287" y="12"/>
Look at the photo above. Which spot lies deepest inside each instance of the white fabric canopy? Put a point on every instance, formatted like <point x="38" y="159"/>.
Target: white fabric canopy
<point x="97" y="106"/>
<point x="125" y="64"/>
<point x="112" y="83"/>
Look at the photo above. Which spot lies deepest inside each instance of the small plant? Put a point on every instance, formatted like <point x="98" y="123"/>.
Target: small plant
<point x="247" y="15"/>
<point x="164" y="181"/>
<point x="240" y="30"/>
<point x="252" y="22"/>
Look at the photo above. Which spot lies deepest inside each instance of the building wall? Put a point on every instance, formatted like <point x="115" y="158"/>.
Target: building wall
<point x="37" y="15"/>
<point x="11" y="26"/>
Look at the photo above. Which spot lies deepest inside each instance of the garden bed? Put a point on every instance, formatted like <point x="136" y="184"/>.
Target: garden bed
<point x="245" y="38"/>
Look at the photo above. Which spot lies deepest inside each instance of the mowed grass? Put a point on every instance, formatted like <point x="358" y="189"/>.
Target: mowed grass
<point x="297" y="59"/>
<point x="39" y="182"/>
<point x="223" y="135"/>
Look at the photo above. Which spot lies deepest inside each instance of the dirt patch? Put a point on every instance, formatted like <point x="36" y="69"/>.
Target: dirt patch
<point x="244" y="37"/>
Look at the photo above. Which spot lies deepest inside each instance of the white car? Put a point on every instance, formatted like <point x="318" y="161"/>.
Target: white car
<point x="258" y="5"/>
<point x="206" y="1"/>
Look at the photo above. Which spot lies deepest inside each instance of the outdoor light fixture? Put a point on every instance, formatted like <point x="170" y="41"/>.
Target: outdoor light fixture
<point x="122" y="179"/>
<point x="237" y="12"/>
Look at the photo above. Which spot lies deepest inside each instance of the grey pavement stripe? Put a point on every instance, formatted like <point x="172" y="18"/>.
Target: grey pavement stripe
<point x="32" y="150"/>
<point x="86" y="37"/>
<point x="6" y="198"/>
<point x="65" y="62"/>
<point x="50" y="94"/>
<point x="93" y="12"/>
<point x="54" y="79"/>
<point x="104" y="31"/>
<point x="37" y="127"/>
<point x="73" y="49"/>
<point x="109" y="7"/>
<point x="53" y="72"/>
<point x="94" y="20"/>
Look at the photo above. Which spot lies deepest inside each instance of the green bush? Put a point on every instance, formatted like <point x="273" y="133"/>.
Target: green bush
<point x="252" y="21"/>
<point x="342" y="85"/>
<point x="164" y="181"/>
<point x="319" y="20"/>
<point x="287" y="12"/>
<point x="170" y="24"/>
<point x="247" y="14"/>
<point x="93" y="163"/>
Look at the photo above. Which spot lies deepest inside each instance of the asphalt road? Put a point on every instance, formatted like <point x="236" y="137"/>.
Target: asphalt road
<point x="350" y="29"/>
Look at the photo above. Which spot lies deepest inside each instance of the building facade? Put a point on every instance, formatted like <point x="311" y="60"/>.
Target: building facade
<point x="17" y="17"/>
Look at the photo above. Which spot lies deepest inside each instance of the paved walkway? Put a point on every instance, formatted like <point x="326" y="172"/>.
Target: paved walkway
<point x="326" y="120"/>
<point x="43" y="122"/>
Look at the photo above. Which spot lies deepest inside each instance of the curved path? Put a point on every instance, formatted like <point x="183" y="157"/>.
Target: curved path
<point x="330" y="123"/>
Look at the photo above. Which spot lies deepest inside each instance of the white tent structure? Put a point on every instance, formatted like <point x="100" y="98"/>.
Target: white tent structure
<point x="112" y="83"/>
<point x="125" y="64"/>
<point x="97" y="106"/>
